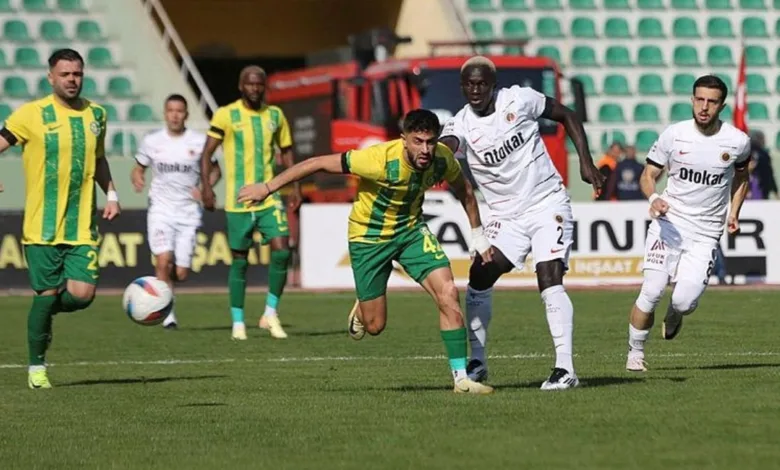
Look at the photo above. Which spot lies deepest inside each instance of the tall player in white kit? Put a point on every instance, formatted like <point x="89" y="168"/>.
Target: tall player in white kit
<point x="175" y="212"/>
<point x="498" y="133"/>
<point x="707" y="161"/>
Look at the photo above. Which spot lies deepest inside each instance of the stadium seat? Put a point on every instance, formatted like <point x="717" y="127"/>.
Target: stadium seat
<point x="551" y="52"/>
<point x="6" y="7"/>
<point x="548" y="27"/>
<point x="650" y="4"/>
<point x="645" y="139"/>
<point x="16" y="87"/>
<point x="52" y="31"/>
<point x="651" y="84"/>
<point x="756" y="84"/>
<point x="582" y="4"/>
<point x="588" y="84"/>
<point x="37" y="6"/>
<point x="583" y="28"/>
<point x="686" y="56"/>
<point x="44" y="88"/>
<point x="685" y="27"/>
<point x="5" y="111"/>
<point x="616" y="85"/>
<point x="616" y="5"/>
<point x="682" y="84"/>
<point x="650" y="56"/>
<point x="756" y="56"/>
<point x="650" y="28"/>
<point x="752" y="4"/>
<point x="720" y="56"/>
<point x="583" y="56"/>
<point x="777" y="58"/>
<point x="646" y="112"/>
<point x="120" y="87"/>
<point x="777" y="141"/>
<point x="480" y="5"/>
<point x="610" y="112"/>
<point x="547" y="4"/>
<point x="111" y="113"/>
<point x="719" y="27"/>
<point x="515" y="28"/>
<point x="140" y="112"/>
<point x="16" y="31"/>
<point x="514" y="5"/>
<point x="101" y="58"/>
<point x="4" y="60"/>
<point x="684" y="5"/>
<point x="618" y="56"/>
<point x="753" y="27"/>
<point x="616" y="28"/>
<point x="610" y="137"/>
<point x="27" y="58"/>
<point x="118" y="143"/>
<point x="777" y="28"/>
<point x="483" y="29"/>
<point x="89" y="88"/>
<point x="71" y="6"/>
<point x="718" y="4"/>
<point x="89" y="31"/>
<point x="680" y="112"/>
<point x="726" y="79"/>
<point x="758" y="111"/>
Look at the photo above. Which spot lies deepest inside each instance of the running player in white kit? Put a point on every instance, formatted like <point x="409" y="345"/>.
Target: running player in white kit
<point x="707" y="160"/>
<point x="175" y="212"/>
<point x="498" y="133"/>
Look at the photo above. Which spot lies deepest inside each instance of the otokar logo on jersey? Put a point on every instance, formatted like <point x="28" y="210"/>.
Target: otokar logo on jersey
<point x="164" y="167"/>
<point x="497" y="155"/>
<point x="701" y="177"/>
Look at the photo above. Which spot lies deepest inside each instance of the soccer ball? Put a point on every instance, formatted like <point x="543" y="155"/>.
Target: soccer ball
<point x="147" y="301"/>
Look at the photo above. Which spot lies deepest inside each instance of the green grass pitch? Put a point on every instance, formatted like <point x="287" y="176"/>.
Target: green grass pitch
<point x="128" y="396"/>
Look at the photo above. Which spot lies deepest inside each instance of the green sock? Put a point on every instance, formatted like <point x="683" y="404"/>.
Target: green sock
<point x="68" y="303"/>
<point x="39" y="327"/>
<point x="237" y="288"/>
<point x="457" y="350"/>
<point x="277" y="278"/>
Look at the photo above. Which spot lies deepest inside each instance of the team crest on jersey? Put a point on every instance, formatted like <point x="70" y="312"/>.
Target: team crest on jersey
<point x="271" y="127"/>
<point x="424" y="231"/>
<point x="510" y="116"/>
<point x="725" y="157"/>
<point x="559" y="218"/>
<point x="94" y="126"/>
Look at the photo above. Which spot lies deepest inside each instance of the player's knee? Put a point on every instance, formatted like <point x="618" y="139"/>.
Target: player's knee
<point x="652" y="290"/>
<point x="549" y="274"/>
<point x="182" y="274"/>
<point x="79" y="300"/>
<point x="280" y="259"/>
<point x="448" y="295"/>
<point x="374" y="323"/>
<point x="483" y="276"/>
<point x="685" y="298"/>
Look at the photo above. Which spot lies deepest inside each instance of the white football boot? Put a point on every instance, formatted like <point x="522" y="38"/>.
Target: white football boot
<point x="561" y="379"/>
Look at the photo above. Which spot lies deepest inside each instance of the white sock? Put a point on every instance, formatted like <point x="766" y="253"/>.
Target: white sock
<point x="636" y="340"/>
<point x="560" y="319"/>
<point x="171" y="318"/>
<point x="36" y="368"/>
<point x="459" y="374"/>
<point x="479" y="310"/>
<point x="236" y="323"/>
<point x="269" y="311"/>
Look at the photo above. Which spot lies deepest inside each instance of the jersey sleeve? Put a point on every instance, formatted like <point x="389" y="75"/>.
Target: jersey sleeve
<point x="452" y="172"/>
<point x="283" y="136"/>
<point x="530" y="102"/>
<point x="743" y="157"/>
<point x="220" y="124"/>
<point x="144" y="154"/>
<point x="16" y="124"/>
<point x="100" y="151"/>
<point x="454" y="128"/>
<point x="659" y="153"/>
<point x="366" y="163"/>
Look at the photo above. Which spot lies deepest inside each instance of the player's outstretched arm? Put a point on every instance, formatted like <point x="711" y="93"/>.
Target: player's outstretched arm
<point x="465" y="194"/>
<point x="288" y="159"/>
<point x="106" y="183"/>
<point x="207" y="188"/>
<point x="259" y="191"/>
<point x="739" y="190"/>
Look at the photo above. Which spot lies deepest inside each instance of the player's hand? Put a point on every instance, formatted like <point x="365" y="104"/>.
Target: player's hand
<point x="207" y="197"/>
<point x="137" y="178"/>
<point x="295" y="199"/>
<point x="591" y="175"/>
<point x="481" y="245"/>
<point x="253" y="193"/>
<point x="111" y="210"/>
<point x="658" y="208"/>
<point x="733" y="224"/>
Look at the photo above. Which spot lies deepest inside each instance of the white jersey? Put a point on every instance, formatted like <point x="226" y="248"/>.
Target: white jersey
<point x="506" y="154"/>
<point x="700" y="169"/>
<point x="175" y="163"/>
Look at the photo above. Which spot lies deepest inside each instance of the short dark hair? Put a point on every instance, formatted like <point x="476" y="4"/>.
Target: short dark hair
<point x="176" y="97"/>
<point x="711" y="81"/>
<point x="70" y="55"/>
<point x="421" y="120"/>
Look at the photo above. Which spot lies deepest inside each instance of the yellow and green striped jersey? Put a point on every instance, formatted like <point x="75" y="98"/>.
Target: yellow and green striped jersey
<point x="248" y="139"/>
<point x="391" y="191"/>
<point x="60" y="148"/>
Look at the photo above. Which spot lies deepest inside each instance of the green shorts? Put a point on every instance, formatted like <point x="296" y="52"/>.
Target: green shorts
<point x="241" y="226"/>
<point x="50" y="265"/>
<point x="417" y="250"/>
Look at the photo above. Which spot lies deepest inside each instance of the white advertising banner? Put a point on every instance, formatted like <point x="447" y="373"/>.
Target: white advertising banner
<point x="608" y="244"/>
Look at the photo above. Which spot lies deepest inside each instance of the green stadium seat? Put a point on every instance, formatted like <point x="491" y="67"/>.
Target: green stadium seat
<point x="758" y="111"/>
<point x="682" y="84"/>
<point x="482" y="29"/>
<point x="651" y="5"/>
<point x="719" y="27"/>
<point x="611" y="112"/>
<point x="646" y="112"/>
<point x="753" y="27"/>
<point x="5" y="111"/>
<point x="617" y="28"/>
<point x="618" y="56"/>
<point x="726" y="79"/>
<point x="778" y="111"/>
<point x="718" y="4"/>
<point x="777" y="85"/>
<point x="27" y="58"/>
<point x="777" y="58"/>
<point x="118" y="144"/>
<point x="756" y="56"/>
<point x="16" y="87"/>
<point x="140" y="112"/>
<point x="4" y="60"/>
<point x="16" y="31"/>
<point x="88" y="30"/>
<point x="480" y="5"/>
<point x="44" y="88"/>
<point x="515" y="28"/>
<point x="89" y="88"/>
<point x="616" y="5"/>
<point x="547" y="5"/>
<point x="588" y="84"/>
<point x="645" y="139"/>
<point x="752" y="4"/>
<point x="777" y="28"/>
<point x="111" y="113"/>
<point x="550" y="51"/>
<point x="37" y="6"/>
<point x="684" y="5"/>
<point x="52" y="31"/>
<point x="685" y="27"/>
<point x="611" y="136"/>
<point x="686" y="56"/>
<point x="756" y="84"/>
<point x="726" y="114"/>
<point x="616" y="85"/>
<point x="651" y="84"/>
<point x="6" y="7"/>
<point x="777" y="141"/>
<point x="120" y="87"/>
<point x="720" y="56"/>
<point x="548" y="27"/>
<point x="777" y="4"/>
<point x="71" y="6"/>
<point x="583" y="56"/>
<point x="101" y="58"/>
<point x="680" y="112"/>
<point x="582" y="4"/>
<point x="514" y="5"/>
<point x="650" y="56"/>
<point x="650" y="28"/>
<point x="583" y="28"/>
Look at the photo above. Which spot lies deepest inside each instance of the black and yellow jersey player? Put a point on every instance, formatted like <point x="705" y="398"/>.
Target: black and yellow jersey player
<point x="386" y="224"/>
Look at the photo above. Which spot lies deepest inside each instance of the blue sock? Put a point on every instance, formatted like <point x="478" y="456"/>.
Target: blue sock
<point x="237" y="314"/>
<point x="271" y="302"/>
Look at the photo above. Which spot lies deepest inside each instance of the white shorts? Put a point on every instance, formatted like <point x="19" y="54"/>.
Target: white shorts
<point x="166" y="235"/>
<point x="678" y="255"/>
<point x="547" y="235"/>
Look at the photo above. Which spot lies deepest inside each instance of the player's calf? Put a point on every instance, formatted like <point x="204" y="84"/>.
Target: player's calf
<point x="373" y="315"/>
<point x="642" y="317"/>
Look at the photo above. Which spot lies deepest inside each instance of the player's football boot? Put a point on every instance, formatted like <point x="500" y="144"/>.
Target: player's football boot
<point x="477" y="371"/>
<point x="471" y="387"/>
<point x="38" y="379"/>
<point x="672" y="324"/>
<point x="239" y="331"/>
<point x="636" y="363"/>
<point x="170" y="322"/>
<point x="561" y="379"/>
<point x="273" y="325"/>
<point x="355" y="328"/>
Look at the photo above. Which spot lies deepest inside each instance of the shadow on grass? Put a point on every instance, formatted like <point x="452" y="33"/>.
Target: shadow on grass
<point x="724" y="366"/>
<point x="340" y="332"/>
<point x="584" y="382"/>
<point x="138" y="380"/>
<point x="201" y="405"/>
